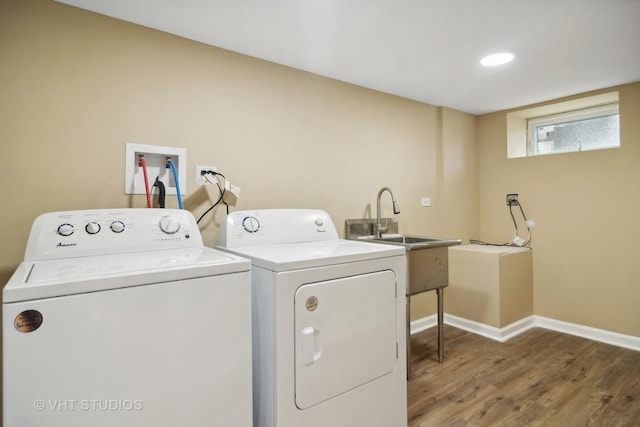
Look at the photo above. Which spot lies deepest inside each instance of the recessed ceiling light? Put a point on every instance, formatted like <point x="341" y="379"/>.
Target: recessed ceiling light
<point x="499" y="58"/>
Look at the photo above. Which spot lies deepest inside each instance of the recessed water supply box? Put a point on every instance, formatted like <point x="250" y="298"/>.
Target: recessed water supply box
<point x="156" y="158"/>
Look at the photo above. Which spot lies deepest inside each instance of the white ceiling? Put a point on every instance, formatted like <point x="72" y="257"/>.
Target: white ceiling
<point x="426" y="50"/>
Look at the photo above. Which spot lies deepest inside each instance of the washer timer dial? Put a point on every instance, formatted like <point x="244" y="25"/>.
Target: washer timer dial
<point x="251" y="224"/>
<point x="169" y="225"/>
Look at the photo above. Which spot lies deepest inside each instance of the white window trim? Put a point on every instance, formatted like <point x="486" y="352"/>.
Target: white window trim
<point x="603" y="110"/>
<point x="517" y="121"/>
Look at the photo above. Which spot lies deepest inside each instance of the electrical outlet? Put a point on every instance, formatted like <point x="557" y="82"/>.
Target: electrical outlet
<point x="512" y="199"/>
<point x="156" y="159"/>
<point x="201" y="171"/>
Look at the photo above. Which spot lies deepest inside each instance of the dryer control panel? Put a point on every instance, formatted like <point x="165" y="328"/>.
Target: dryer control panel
<point x="274" y="226"/>
<point x="56" y="235"/>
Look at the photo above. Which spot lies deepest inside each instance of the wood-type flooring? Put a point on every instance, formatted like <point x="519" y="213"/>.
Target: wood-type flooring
<point x="538" y="378"/>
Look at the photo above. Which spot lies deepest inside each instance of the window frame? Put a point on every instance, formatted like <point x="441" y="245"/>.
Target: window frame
<point x="593" y="112"/>
<point x="517" y="129"/>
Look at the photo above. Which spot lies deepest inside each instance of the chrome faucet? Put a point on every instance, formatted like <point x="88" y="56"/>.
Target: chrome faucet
<point x="396" y="210"/>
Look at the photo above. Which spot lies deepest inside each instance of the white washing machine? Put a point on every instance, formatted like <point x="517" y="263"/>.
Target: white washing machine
<point x="328" y="321"/>
<point x="122" y="318"/>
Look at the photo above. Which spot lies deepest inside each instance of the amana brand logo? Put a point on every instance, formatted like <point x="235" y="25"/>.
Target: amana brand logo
<point x="62" y="245"/>
<point x="311" y="303"/>
<point x="28" y="321"/>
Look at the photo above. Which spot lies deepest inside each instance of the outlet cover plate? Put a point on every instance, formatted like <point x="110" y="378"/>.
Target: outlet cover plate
<point x="199" y="170"/>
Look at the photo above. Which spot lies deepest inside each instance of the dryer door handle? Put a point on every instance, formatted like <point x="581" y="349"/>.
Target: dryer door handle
<point x="309" y="354"/>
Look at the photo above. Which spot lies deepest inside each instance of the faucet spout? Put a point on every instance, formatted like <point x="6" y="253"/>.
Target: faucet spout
<point x="396" y="210"/>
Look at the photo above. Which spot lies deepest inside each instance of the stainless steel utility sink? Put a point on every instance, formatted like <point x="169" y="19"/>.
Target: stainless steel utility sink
<point x="417" y="242"/>
<point x="428" y="260"/>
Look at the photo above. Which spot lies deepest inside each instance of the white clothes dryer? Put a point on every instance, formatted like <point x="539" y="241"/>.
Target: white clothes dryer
<point x="123" y="318"/>
<point x="328" y="321"/>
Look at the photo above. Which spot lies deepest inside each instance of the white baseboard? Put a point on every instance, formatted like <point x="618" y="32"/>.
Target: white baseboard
<point x="423" y="323"/>
<point x="516" y="328"/>
<point x="608" y="337"/>
<point x="498" y="334"/>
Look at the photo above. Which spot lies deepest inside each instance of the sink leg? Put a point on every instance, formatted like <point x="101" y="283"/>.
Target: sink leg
<point x="408" y="337"/>
<point x="440" y="295"/>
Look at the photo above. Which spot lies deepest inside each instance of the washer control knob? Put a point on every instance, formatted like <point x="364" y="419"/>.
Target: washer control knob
<point x="92" y="227"/>
<point x="251" y="224"/>
<point x="319" y="222"/>
<point x="169" y="225"/>
<point x="117" y="226"/>
<point x="66" y="229"/>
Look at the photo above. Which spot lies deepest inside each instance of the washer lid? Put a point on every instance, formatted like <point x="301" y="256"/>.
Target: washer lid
<point x="295" y="256"/>
<point x="52" y="278"/>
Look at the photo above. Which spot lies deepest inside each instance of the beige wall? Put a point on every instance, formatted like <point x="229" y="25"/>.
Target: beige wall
<point x="77" y="86"/>
<point x="586" y="208"/>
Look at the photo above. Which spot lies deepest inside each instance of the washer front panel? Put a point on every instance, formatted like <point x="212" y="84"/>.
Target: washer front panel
<point x="170" y="354"/>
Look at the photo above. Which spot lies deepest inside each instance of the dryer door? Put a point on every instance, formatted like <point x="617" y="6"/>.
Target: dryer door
<point x="345" y="335"/>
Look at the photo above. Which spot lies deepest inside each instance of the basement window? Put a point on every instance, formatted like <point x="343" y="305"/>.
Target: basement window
<point x="591" y="123"/>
